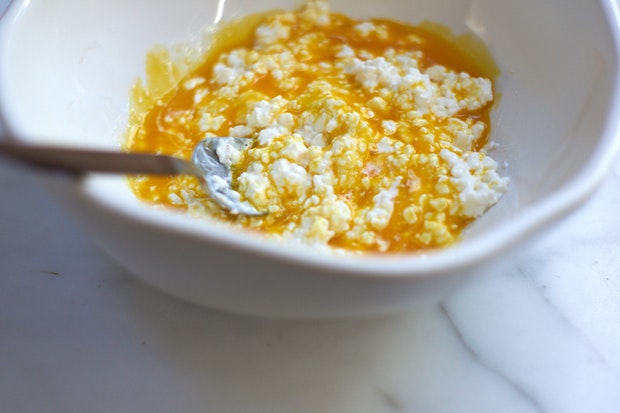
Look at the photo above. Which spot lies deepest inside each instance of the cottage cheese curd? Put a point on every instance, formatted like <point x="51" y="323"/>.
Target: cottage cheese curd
<point x="366" y="135"/>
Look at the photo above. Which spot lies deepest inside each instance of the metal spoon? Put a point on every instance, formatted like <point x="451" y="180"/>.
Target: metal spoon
<point x="205" y="164"/>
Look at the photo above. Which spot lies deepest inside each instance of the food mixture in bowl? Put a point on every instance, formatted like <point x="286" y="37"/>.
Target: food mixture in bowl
<point x="365" y="135"/>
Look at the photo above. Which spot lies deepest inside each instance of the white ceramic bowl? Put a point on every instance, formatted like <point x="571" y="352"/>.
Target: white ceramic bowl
<point x="66" y="68"/>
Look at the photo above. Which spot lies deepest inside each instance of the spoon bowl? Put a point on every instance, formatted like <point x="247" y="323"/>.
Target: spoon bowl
<point x="211" y="157"/>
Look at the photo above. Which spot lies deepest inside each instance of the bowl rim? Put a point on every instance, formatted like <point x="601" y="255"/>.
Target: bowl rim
<point x="458" y="257"/>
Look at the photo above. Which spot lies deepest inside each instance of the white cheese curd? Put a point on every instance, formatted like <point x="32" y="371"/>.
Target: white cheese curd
<point x="383" y="206"/>
<point x="475" y="177"/>
<point x="228" y="154"/>
<point x="290" y="178"/>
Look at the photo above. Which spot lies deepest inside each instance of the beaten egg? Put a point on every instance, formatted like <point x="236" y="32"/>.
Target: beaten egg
<point x="367" y="135"/>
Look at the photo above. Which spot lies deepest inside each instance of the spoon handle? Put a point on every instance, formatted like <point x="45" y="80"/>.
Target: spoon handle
<point x="87" y="160"/>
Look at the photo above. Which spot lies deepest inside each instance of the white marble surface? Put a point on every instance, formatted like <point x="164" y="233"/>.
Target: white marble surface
<point x="78" y="334"/>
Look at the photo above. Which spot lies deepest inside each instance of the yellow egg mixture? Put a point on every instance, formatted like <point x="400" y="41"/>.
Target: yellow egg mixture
<point x="366" y="135"/>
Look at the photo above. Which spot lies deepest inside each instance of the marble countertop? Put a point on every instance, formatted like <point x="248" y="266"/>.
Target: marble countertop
<point x="78" y="334"/>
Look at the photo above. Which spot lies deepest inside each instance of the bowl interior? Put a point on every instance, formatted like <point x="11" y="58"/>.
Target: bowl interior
<point x="67" y="66"/>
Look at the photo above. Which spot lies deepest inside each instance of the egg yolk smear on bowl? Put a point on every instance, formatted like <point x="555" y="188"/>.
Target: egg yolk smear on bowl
<point x="367" y="135"/>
